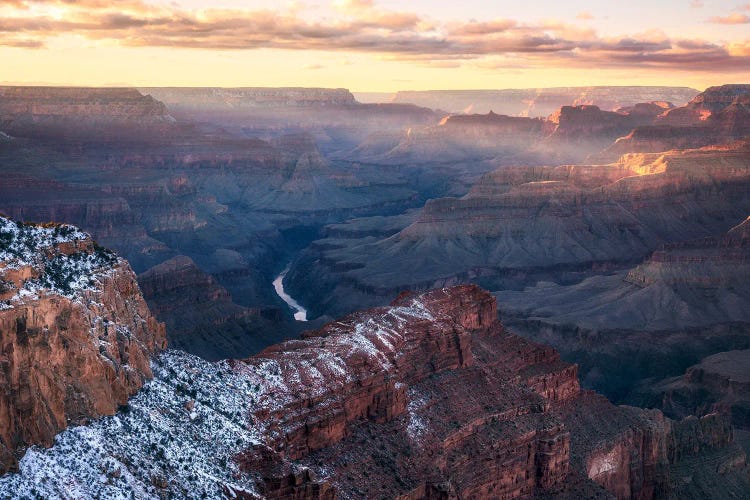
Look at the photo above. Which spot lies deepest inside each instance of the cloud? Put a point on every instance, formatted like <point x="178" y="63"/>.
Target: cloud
<point x="696" y="4"/>
<point x="484" y="28"/>
<point x="359" y="26"/>
<point x="585" y="16"/>
<point x="25" y="44"/>
<point x="353" y="5"/>
<point x="734" y="18"/>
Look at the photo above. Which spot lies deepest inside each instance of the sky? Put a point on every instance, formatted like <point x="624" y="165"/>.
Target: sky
<point x="374" y="45"/>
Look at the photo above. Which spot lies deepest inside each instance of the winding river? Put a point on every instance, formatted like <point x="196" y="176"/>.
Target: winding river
<point x="300" y="313"/>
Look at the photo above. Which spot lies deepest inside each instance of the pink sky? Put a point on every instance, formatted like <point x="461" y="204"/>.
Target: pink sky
<point x="374" y="45"/>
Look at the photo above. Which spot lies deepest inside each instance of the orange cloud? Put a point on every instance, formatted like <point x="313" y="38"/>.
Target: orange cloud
<point x="484" y="28"/>
<point x="734" y="18"/>
<point x="393" y="35"/>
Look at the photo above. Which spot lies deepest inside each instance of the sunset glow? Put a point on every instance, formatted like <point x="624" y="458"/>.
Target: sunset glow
<point x="371" y="45"/>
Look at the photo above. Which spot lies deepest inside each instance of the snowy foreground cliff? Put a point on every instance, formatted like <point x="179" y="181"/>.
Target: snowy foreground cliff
<point x="75" y="334"/>
<point x="427" y="398"/>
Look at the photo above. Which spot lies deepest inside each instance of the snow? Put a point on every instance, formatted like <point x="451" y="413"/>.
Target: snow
<point x="607" y="463"/>
<point x="416" y="427"/>
<point x="153" y="437"/>
<point x="27" y="245"/>
<point x="21" y="244"/>
<point x="184" y="428"/>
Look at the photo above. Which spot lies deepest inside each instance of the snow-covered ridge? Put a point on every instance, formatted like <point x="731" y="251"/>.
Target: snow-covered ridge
<point x="56" y="258"/>
<point x="181" y="434"/>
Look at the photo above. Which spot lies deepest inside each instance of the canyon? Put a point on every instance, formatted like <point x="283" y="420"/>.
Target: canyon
<point x="382" y="386"/>
<point x="502" y="232"/>
<point x="609" y="225"/>
<point x="234" y="204"/>
<point x="717" y="115"/>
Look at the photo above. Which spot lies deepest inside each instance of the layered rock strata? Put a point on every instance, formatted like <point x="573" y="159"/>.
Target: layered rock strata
<point x="716" y="116"/>
<point x="429" y="397"/>
<point x="75" y="334"/>
<point x="542" y="102"/>
<point x="521" y="224"/>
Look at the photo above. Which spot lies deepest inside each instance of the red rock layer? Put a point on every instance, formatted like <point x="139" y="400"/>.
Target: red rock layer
<point x="716" y="116"/>
<point x="432" y="398"/>
<point x="66" y="359"/>
<point x="79" y="101"/>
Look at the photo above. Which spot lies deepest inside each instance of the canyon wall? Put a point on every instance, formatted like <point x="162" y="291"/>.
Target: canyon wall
<point x="429" y="397"/>
<point x="541" y="102"/>
<point x="521" y="224"/>
<point x="716" y="116"/>
<point x="75" y="334"/>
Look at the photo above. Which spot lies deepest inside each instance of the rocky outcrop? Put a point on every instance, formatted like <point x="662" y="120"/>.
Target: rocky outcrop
<point x="569" y="134"/>
<point x="201" y="316"/>
<point x="457" y="138"/>
<point x="719" y="383"/>
<point x="90" y="102"/>
<point x="78" y="112"/>
<point x="75" y="334"/>
<point x="521" y="224"/>
<point x="716" y="116"/>
<point x="686" y="301"/>
<point x="542" y="102"/>
<point x="428" y="397"/>
<point x="589" y="124"/>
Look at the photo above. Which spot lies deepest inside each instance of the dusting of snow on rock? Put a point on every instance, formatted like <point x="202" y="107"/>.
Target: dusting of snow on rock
<point x="181" y="434"/>
<point x="153" y="444"/>
<point x="34" y="248"/>
<point x="21" y="244"/>
<point x="416" y="426"/>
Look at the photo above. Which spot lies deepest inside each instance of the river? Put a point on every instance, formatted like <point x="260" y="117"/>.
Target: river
<point x="300" y="313"/>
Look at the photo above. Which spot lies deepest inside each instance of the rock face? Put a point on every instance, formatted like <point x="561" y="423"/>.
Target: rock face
<point x="79" y="101"/>
<point x="455" y="139"/>
<point x="686" y="301"/>
<point x="75" y="334"/>
<point x="719" y="383"/>
<point x="590" y="127"/>
<point x="541" y="102"/>
<point x="199" y="313"/>
<point x="102" y="113"/>
<point x="519" y="224"/>
<point x="427" y="398"/>
<point x="716" y="116"/>
<point x="569" y="134"/>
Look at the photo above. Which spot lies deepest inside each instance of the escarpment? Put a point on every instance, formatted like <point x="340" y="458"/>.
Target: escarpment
<point x="684" y="302"/>
<point x="94" y="114"/>
<point x="75" y="334"/>
<point x="716" y="116"/>
<point x="428" y="397"/>
<point x="543" y="101"/>
<point x="201" y="315"/>
<point x="518" y="225"/>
